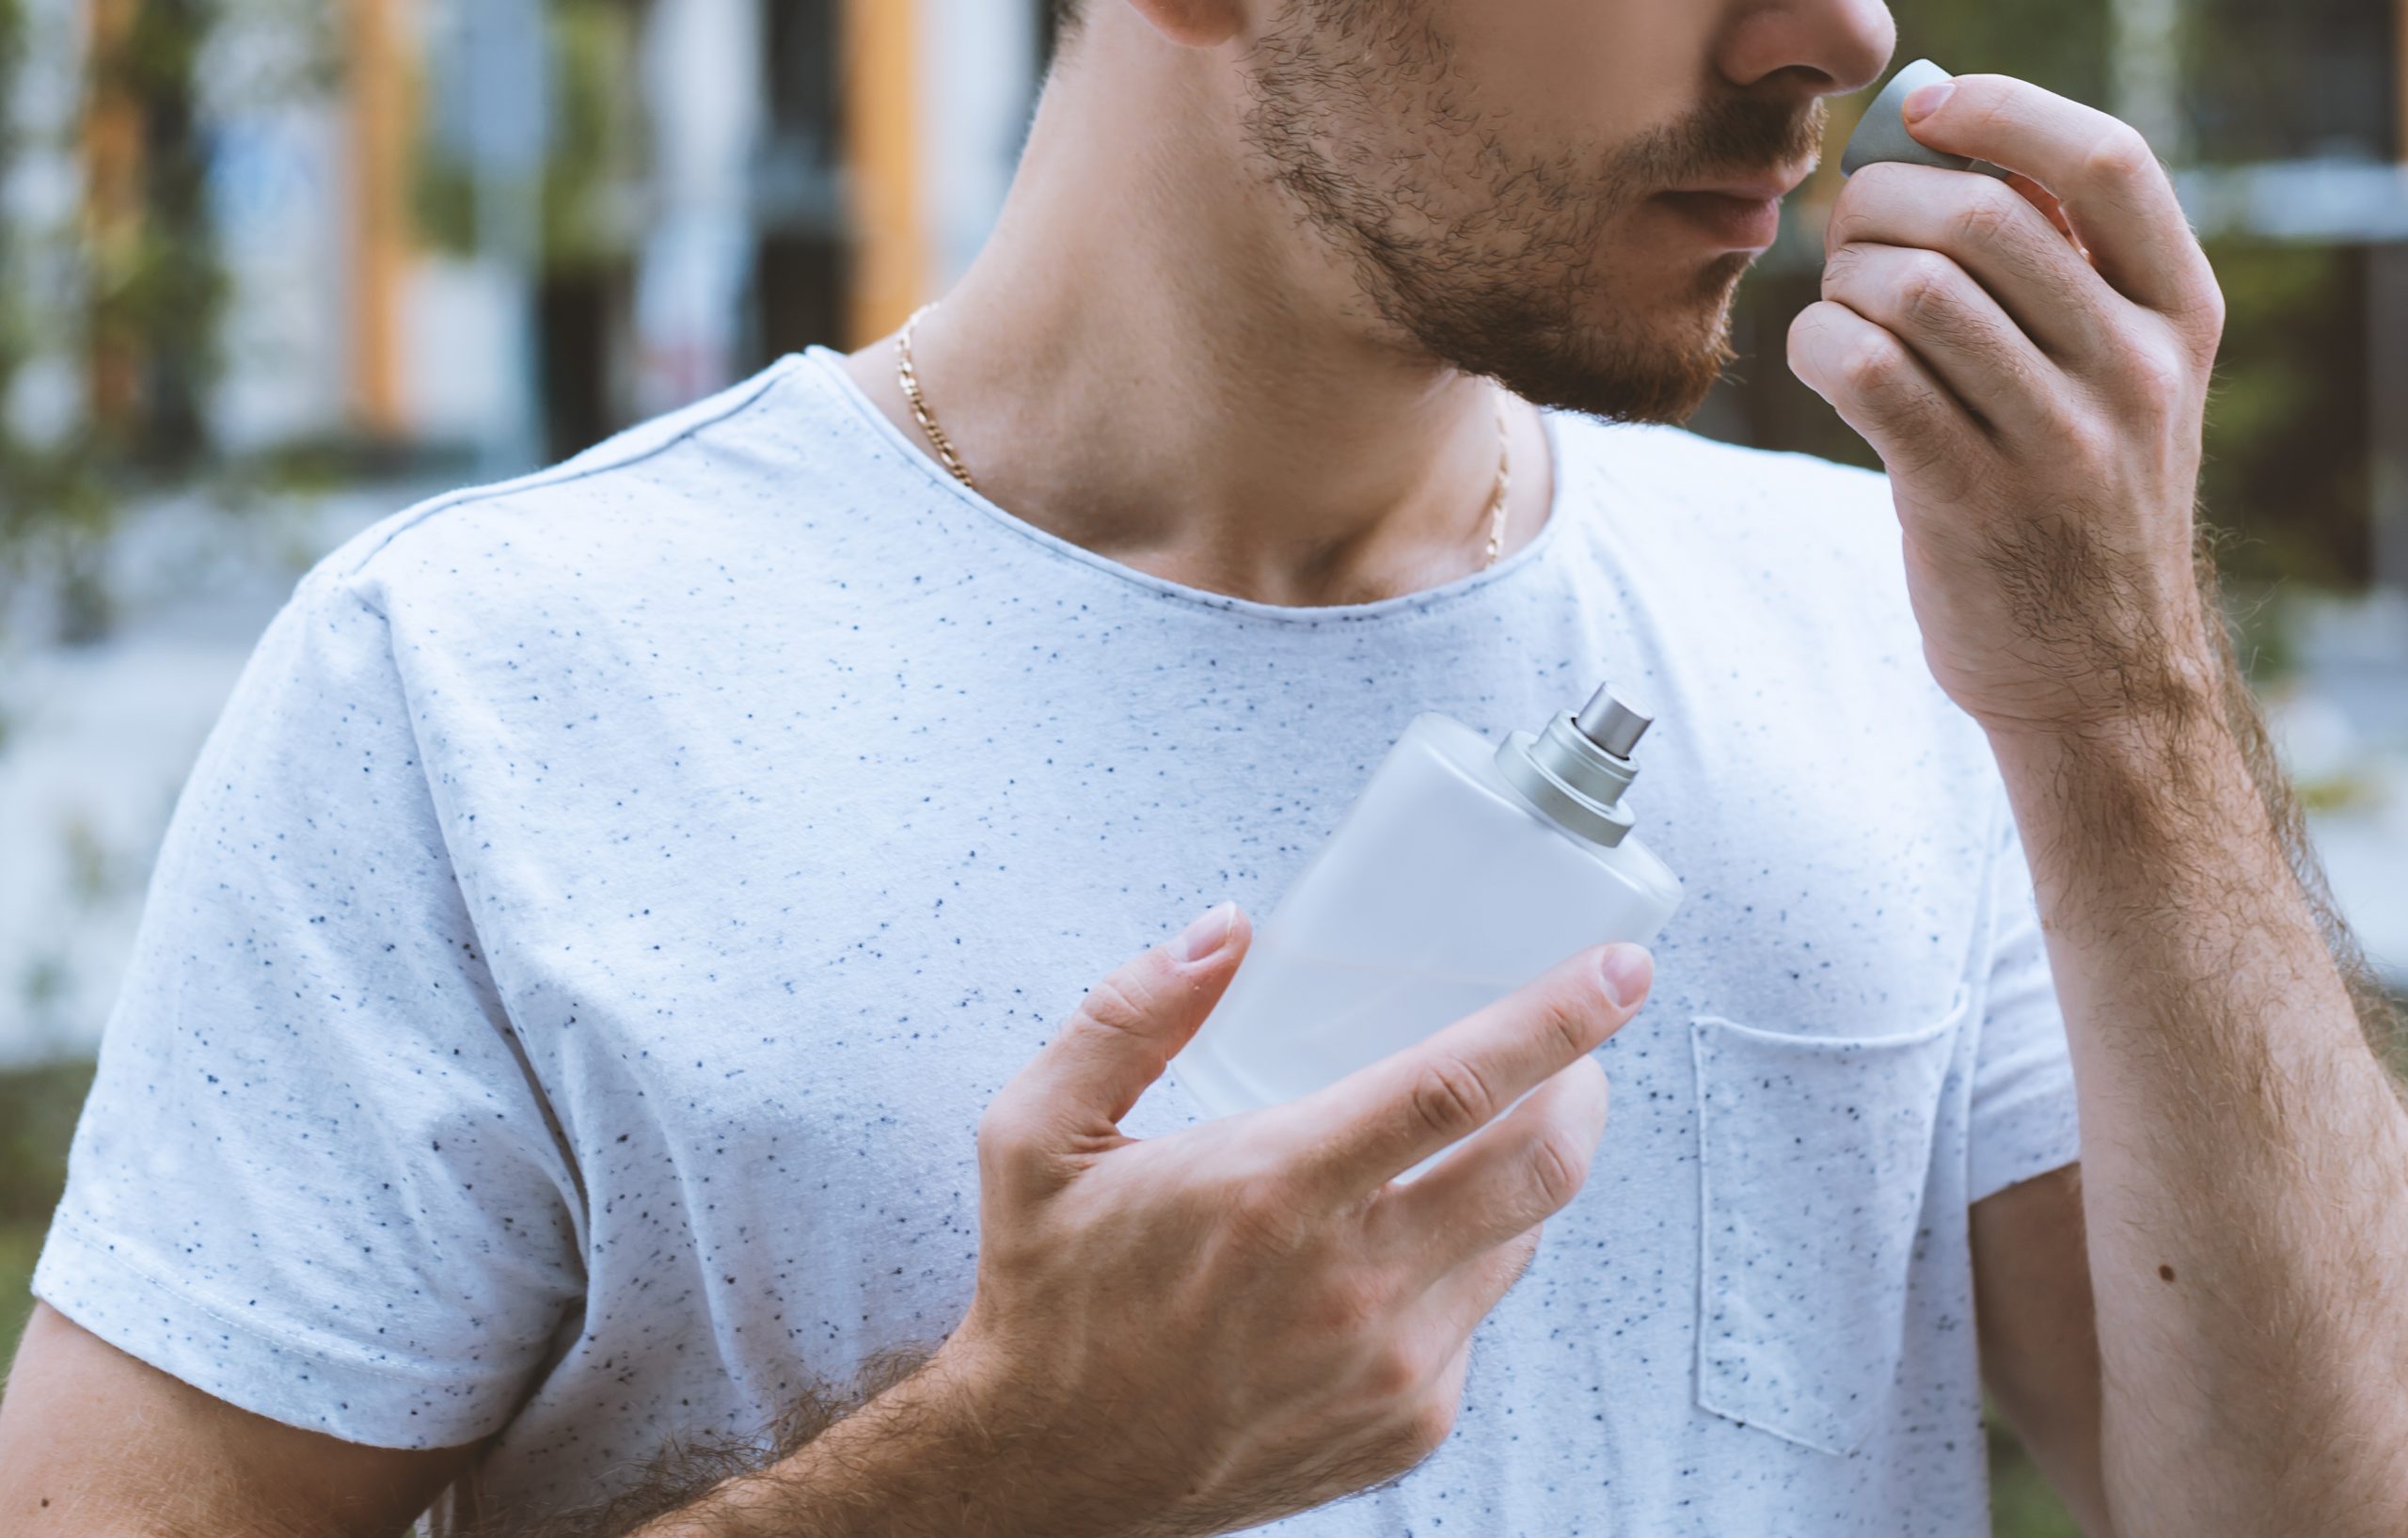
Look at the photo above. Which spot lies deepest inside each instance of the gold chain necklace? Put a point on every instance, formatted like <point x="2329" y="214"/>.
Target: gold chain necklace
<point x="1499" y="501"/>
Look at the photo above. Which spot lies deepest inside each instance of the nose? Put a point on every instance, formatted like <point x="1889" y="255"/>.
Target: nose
<point x="1816" y="47"/>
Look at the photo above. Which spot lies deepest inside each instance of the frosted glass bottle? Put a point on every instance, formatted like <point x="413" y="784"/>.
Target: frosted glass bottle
<point x="1462" y="871"/>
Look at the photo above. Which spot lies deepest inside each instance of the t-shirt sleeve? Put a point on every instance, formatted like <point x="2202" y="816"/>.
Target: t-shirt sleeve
<point x="315" y="1178"/>
<point x="2023" y="1122"/>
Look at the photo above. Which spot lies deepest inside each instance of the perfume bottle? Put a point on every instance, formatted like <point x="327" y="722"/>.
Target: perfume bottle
<point x="1463" y="870"/>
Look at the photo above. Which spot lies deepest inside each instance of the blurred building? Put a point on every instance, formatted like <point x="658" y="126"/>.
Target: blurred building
<point x="413" y="229"/>
<point x="519" y="224"/>
<point x="516" y="225"/>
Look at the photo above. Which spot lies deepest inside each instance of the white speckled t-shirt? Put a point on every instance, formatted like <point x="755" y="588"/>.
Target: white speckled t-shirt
<point x="583" y="950"/>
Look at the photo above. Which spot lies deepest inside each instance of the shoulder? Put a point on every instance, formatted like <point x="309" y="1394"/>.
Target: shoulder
<point x="598" y="520"/>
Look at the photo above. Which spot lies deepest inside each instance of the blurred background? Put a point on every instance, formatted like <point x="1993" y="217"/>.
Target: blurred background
<point x="271" y="269"/>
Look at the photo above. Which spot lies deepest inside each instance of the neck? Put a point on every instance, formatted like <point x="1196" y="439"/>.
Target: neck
<point x="1151" y="359"/>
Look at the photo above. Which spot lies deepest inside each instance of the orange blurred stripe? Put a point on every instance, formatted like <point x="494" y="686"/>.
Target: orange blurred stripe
<point x="882" y="156"/>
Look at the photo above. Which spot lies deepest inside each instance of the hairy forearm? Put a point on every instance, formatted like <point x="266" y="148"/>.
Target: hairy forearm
<point x="2245" y="1150"/>
<point x="911" y="1462"/>
<point x="924" y="1458"/>
<point x="910" y="1449"/>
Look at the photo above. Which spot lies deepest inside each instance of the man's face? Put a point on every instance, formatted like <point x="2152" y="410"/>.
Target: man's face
<point x="1494" y="170"/>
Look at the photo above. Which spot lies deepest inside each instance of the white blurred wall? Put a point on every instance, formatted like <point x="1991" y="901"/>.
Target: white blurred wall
<point x="978" y="81"/>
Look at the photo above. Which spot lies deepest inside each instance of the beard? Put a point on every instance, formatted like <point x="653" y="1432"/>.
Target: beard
<point x="1497" y="262"/>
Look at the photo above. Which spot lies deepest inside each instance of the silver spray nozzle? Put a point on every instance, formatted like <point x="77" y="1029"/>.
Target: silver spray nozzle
<point x="1608" y="720"/>
<point x="1575" y="770"/>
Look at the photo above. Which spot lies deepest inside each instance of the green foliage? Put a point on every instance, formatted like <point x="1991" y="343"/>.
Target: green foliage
<point x="14" y="338"/>
<point x="2021" y="1503"/>
<point x="597" y="133"/>
<point x="155" y="298"/>
<point x="2293" y="80"/>
<point x="53" y="505"/>
<point x="2061" y="45"/>
<point x="595" y="148"/>
<point x="38" y="1110"/>
<point x="2290" y="468"/>
<point x="160" y="297"/>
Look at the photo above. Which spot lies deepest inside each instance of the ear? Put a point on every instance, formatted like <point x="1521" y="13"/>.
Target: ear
<point x="1194" y="24"/>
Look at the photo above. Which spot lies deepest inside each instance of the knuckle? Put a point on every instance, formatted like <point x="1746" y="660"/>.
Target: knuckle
<point x="2158" y="380"/>
<point x="1449" y="1097"/>
<point x="1351" y="1305"/>
<point x="1926" y="287"/>
<point x="1987" y="218"/>
<point x="1263" y="1215"/>
<point x="1394" y="1372"/>
<point x="1839" y="228"/>
<point x="2121" y="154"/>
<point x="1120" y="1003"/>
<point x="1804" y="329"/>
<point x="1870" y="364"/>
<point x="1517" y="1254"/>
<point x="1559" y="1168"/>
<point x="2090" y="441"/>
<point x="1001" y="1139"/>
<point x="1842" y="267"/>
<point x="1574" y="1015"/>
<point x="1984" y="110"/>
<point x="1428" y="1427"/>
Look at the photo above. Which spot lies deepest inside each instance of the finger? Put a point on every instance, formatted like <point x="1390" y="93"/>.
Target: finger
<point x="2109" y="180"/>
<point x="1873" y="381"/>
<point x="2046" y="201"/>
<point x="1515" y="1175"/>
<point x="1958" y="331"/>
<point x="1125" y="1032"/>
<point x="2000" y="237"/>
<point x="1361" y="1131"/>
<point x="1458" y="1301"/>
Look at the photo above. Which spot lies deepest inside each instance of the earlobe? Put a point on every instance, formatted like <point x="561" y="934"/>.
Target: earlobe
<point x="1194" y="24"/>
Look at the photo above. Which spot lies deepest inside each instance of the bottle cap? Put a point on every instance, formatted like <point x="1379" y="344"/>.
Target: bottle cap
<point x="1882" y="135"/>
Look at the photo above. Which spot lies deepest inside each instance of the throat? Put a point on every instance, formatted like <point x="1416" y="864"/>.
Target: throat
<point x="1286" y="518"/>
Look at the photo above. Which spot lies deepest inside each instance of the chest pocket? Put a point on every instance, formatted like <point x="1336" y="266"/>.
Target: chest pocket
<point x="1814" y="1154"/>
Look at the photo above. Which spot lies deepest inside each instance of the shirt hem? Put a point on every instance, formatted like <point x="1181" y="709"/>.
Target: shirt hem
<point x="2032" y="1135"/>
<point x="298" y="1384"/>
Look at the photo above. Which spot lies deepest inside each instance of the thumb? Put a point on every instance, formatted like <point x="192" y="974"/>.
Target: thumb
<point x="1125" y="1032"/>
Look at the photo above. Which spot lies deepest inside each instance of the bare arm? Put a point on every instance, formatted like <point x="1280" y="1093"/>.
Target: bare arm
<point x="2031" y="1255"/>
<point x="95" y="1442"/>
<point x="2247" y="1153"/>
<point x="2039" y="1334"/>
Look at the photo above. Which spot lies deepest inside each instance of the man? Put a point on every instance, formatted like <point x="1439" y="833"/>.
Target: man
<point x="601" y="994"/>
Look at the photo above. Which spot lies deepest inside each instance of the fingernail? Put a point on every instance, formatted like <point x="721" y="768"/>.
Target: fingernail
<point x="1625" y="970"/>
<point x="1208" y="933"/>
<point x="1922" y="102"/>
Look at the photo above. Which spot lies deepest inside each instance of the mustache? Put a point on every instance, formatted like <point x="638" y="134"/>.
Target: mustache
<point x="1728" y="141"/>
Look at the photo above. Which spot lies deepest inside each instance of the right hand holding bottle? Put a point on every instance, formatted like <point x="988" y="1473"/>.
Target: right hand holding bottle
<point x="1204" y="1332"/>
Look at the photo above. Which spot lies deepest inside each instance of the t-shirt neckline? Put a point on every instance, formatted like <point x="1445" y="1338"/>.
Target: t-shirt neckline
<point x="829" y="365"/>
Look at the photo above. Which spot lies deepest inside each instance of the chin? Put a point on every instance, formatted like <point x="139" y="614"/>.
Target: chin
<point x="1660" y="370"/>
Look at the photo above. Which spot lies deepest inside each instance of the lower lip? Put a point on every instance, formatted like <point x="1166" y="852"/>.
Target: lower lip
<point x="1742" y="224"/>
